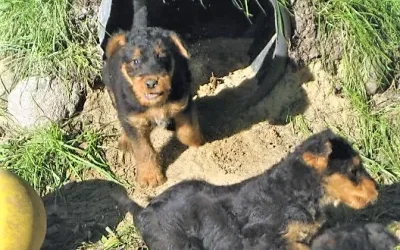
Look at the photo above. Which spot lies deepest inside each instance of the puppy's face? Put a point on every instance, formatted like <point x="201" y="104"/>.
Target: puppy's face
<point x="148" y="62"/>
<point x="149" y="68"/>
<point x="345" y="180"/>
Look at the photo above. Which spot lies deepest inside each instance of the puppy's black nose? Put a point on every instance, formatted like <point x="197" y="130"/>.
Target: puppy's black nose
<point x="151" y="83"/>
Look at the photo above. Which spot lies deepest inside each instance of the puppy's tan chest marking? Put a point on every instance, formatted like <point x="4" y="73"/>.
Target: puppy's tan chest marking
<point x="159" y="115"/>
<point x="301" y="233"/>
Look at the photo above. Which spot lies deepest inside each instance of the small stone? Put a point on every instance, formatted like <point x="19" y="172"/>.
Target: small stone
<point x="39" y="101"/>
<point x="371" y="86"/>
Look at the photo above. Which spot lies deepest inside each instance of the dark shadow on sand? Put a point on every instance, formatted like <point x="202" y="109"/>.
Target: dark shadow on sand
<point x="226" y="113"/>
<point x="79" y="212"/>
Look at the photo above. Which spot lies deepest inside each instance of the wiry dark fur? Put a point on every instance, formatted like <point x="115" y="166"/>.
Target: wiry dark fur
<point x="126" y="101"/>
<point x="143" y="36"/>
<point x="371" y="236"/>
<point x="149" y="81"/>
<point x="253" y="214"/>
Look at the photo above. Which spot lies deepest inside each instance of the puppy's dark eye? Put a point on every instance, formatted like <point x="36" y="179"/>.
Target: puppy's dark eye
<point x="136" y="61"/>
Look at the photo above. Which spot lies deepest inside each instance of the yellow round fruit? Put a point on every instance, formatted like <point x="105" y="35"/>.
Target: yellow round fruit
<point x="22" y="214"/>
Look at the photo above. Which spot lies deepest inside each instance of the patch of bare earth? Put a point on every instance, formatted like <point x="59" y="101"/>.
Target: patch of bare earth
<point x="240" y="144"/>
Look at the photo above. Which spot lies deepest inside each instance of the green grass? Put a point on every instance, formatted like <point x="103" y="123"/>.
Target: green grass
<point x="300" y="124"/>
<point x="49" y="157"/>
<point x="42" y="37"/>
<point x="125" y="236"/>
<point x="368" y="32"/>
<point x="46" y="38"/>
<point x="244" y="6"/>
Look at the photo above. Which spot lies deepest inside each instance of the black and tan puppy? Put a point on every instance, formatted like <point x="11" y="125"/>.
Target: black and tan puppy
<point x="371" y="236"/>
<point x="148" y="76"/>
<point x="280" y="209"/>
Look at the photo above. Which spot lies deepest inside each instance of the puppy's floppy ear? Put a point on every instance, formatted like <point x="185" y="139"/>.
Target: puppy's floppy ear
<point x="318" y="161"/>
<point x="115" y="43"/>
<point x="179" y="44"/>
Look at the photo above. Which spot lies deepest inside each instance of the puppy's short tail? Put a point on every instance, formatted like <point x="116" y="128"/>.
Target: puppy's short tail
<point x="140" y="13"/>
<point x="127" y="204"/>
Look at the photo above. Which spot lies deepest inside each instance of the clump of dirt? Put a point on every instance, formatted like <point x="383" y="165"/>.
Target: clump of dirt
<point x="327" y="106"/>
<point x="304" y="43"/>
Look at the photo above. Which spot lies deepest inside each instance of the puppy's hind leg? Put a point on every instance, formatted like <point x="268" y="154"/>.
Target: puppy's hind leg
<point x="218" y="230"/>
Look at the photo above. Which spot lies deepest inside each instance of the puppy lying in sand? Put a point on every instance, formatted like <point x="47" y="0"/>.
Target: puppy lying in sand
<point x="282" y="208"/>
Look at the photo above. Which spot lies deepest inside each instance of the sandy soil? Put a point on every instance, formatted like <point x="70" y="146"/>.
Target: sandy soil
<point x="240" y="144"/>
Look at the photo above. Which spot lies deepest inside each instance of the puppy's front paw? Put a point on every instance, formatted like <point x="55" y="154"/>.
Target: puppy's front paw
<point x="124" y="143"/>
<point x="150" y="175"/>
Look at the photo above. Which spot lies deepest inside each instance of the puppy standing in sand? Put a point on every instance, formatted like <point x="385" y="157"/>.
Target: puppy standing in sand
<point x="148" y="76"/>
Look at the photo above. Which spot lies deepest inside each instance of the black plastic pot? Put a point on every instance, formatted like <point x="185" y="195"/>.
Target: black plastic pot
<point x="271" y="33"/>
